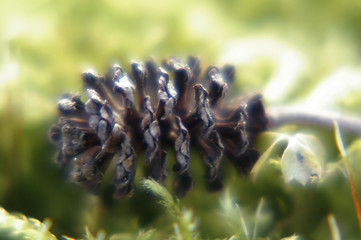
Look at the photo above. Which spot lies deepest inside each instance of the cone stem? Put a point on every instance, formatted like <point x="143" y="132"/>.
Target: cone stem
<point x="282" y="115"/>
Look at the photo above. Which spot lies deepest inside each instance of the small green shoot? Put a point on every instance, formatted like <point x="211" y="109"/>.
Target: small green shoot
<point x="146" y="235"/>
<point x="266" y="155"/>
<point x="293" y="237"/>
<point x="166" y="199"/>
<point x="185" y="227"/>
<point x="335" y="231"/>
<point x="343" y="153"/>
<point x="258" y="216"/>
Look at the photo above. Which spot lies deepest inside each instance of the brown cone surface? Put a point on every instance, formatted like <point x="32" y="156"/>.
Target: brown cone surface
<point x="151" y="109"/>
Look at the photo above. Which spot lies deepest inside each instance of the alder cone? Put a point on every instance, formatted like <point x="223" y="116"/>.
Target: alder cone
<point x="153" y="109"/>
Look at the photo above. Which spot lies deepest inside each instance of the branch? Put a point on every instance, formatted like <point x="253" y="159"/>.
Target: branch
<point x="279" y="116"/>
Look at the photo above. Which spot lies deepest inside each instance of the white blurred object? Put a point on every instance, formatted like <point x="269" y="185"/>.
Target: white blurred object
<point x="36" y="28"/>
<point x="302" y="160"/>
<point x="289" y="62"/>
<point x="335" y="87"/>
<point x="9" y="72"/>
<point x="199" y="22"/>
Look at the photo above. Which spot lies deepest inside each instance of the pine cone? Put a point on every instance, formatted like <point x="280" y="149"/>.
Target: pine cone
<point x="156" y="108"/>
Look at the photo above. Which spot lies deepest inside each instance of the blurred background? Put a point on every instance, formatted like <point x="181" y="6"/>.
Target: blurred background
<point x="294" y="52"/>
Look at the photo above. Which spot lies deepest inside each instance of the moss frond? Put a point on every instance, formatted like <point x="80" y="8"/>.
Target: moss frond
<point x="18" y="227"/>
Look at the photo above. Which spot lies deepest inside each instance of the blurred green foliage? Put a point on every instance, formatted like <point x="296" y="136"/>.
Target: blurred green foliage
<point x="44" y="45"/>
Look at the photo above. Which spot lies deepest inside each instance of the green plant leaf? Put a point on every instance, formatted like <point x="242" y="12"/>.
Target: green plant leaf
<point x="266" y="155"/>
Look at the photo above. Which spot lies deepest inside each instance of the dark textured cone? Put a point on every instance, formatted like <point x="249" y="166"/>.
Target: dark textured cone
<point x="155" y="109"/>
<point x="151" y="131"/>
<point x="217" y="87"/>
<point x="124" y="169"/>
<point x="167" y="95"/>
<point x="181" y="146"/>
